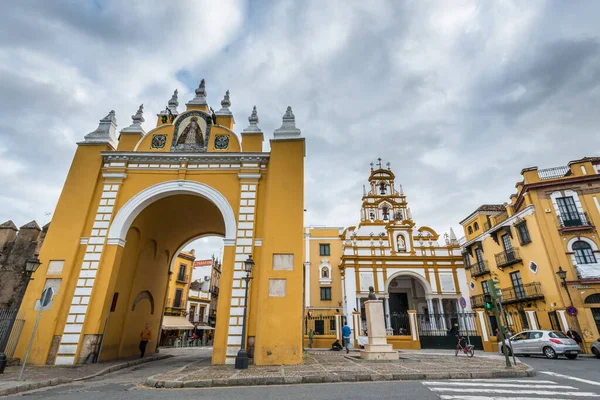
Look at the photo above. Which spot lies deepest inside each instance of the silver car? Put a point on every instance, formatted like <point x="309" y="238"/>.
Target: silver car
<point x="596" y="348"/>
<point x="548" y="343"/>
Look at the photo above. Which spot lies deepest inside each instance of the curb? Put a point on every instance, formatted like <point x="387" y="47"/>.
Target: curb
<point x="295" y="380"/>
<point x="26" y="386"/>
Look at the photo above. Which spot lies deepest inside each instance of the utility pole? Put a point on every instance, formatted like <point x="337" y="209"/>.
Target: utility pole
<point x="491" y="301"/>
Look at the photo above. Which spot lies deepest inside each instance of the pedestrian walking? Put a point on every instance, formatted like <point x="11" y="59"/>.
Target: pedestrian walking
<point x="346" y="337"/>
<point x="311" y="337"/>
<point x="145" y="337"/>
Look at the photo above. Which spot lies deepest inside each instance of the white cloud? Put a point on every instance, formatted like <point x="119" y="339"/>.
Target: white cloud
<point x="459" y="96"/>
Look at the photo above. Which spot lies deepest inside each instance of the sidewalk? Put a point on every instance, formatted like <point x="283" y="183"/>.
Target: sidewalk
<point x="327" y="366"/>
<point x="35" y="377"/>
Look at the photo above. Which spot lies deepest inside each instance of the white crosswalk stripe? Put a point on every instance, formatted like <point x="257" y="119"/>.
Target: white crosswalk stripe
<point x="505" y="389"/>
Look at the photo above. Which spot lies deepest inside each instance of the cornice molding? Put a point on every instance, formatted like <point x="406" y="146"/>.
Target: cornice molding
<point x="201" y="158"/>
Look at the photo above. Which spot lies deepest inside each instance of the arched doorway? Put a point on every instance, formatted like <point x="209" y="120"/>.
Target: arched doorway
<point x="153" y="240"/>
<point x="405" y="292"/>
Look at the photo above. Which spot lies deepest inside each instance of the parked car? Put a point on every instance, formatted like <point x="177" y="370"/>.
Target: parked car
<point x="596" y="348"/>
<point x="548" y="343"/>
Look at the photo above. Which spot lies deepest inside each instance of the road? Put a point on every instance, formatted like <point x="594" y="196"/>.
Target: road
<point x="124" y="384"/>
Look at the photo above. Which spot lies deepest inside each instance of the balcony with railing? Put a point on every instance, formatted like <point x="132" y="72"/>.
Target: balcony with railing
<point x="527" y="292"/>
<point x="479" y="269"/>
<point x="181" y="278"/>
<point x="477" y="301"/>
<point x="175" y="303"/>
<point x="574" y="221"/>
<point x="508" y="258"/>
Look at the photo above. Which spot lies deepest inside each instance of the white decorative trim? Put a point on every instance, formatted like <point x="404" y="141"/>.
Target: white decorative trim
<point x="483" y="326"/>
<point x="228" y="242"/>
<point x="114" y="175"/>
<point x="563" y="320"/>
<point x="176" y="158"/>
<point x="257" y="242"/>
<point x="248" y="176"/>
<point x="531" y="269"/>
<point x="83" y="240"/>
<point x="411" y="274"/>
<point x="117" y="241"/>
<point x="135" y="205"/>
<point x="583" y="239"/>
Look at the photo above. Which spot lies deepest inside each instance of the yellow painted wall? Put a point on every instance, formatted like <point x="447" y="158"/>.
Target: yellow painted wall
<point x="279" y="323"/>
<point x="325" y="236"/>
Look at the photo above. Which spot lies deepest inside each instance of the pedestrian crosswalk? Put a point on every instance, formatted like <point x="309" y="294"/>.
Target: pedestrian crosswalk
<point x="505" y="389"/>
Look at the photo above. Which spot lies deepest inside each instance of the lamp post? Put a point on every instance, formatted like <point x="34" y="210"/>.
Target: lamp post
<point x="562" y="275"/>
<point x="241" y="360"/>
<point x="31" y="266"/>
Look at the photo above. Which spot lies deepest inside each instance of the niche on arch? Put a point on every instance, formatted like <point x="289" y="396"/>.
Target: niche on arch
<point x="144" y="295"/>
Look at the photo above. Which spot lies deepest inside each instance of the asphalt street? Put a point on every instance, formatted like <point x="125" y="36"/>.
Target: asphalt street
<point x="556" y="379"/>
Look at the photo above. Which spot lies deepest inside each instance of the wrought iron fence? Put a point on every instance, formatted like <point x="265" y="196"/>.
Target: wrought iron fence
<point x="10" y="338"/>
<point x="571" y="219"/>
<point x="509" y="257"/>
<point x="447" y="324"/>
<point x="400" y="323"/>
<point x="479" y="268"/>
<point x="477" y="301"/>
<point x="528" y="291"/>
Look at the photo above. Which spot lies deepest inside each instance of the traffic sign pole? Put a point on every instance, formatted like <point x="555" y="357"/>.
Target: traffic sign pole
<point x="45" y="303"/>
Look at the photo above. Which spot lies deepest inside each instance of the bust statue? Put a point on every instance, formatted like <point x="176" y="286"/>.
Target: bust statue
<point x="372" y="293"/>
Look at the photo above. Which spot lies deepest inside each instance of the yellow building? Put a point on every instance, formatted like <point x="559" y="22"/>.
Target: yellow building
<point x="420" y="280"/>
<point x="549" y="225"/>
<point x="179" y="285"/>
<point x="132" y="201"/>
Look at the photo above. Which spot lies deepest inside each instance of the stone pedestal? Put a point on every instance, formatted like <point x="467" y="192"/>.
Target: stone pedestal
<point x="378" y="348"/>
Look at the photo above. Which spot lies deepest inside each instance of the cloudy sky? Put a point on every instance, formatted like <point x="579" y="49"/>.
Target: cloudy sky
<point x="458" y="95"/>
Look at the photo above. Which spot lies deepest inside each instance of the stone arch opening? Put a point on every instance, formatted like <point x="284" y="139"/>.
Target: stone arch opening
<point x="157" y="228"/>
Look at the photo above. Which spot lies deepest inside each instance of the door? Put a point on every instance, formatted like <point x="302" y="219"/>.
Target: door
<point x="534" y="342"/>
<point x="192" y="315"/>
<point x="510" y="254"/>
<point x="568" y="211"/>
<point x="398" y="303"/>
<point x="518" y="342"/>
<point x="596" y="315"/>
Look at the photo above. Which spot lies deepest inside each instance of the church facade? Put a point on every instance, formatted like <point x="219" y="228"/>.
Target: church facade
<point x="133" y="200"/>
<point x="419" y="275"/>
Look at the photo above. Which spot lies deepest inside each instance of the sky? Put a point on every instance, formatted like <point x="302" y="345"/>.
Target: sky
<point x="458" y="96"/>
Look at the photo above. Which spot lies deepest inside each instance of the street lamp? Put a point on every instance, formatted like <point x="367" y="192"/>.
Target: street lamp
<point x="241" y="360"/>
<point x="31" y="266"/>
<point x="562" y="275"/>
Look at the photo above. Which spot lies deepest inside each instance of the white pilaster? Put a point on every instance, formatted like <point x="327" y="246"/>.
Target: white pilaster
<point x="244" y="247"/>
<point x="484" y="331"/>
<point x="72" y="333"/>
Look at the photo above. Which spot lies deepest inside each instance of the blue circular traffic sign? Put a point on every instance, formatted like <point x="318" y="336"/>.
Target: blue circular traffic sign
<point x="572" y="311"/>
<point x="463" y="302"/>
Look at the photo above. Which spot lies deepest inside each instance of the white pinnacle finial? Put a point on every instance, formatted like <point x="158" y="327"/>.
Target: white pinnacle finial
<point x="174" y="102"/>
<point x="225" y="104"/>
<point x="200" y="98"/>
<point x="452" y="236"/>
<point x="106" y="131"/>
<point x="136" y="126"/>
<point x="288" y="128"/>
<point x="253" y="119"/>
<point x="364" y="191"/>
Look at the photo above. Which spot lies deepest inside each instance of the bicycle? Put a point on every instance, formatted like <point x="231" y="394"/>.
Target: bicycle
<point x="468" y="349"/>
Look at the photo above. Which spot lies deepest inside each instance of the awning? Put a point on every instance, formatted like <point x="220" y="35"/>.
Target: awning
<point x="171" y="323"/>
<point x="205" y="328"/>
